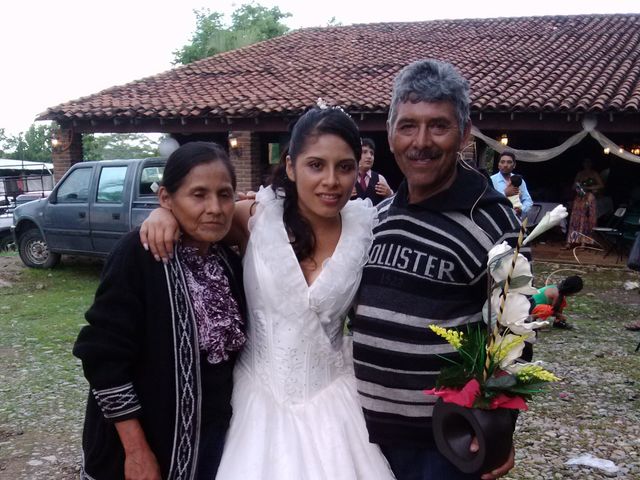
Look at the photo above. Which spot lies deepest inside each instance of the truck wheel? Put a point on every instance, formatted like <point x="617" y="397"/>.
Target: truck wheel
<point x="34" y="252"/>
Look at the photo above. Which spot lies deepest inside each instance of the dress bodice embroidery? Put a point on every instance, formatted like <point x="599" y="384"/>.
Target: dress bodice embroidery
<point x="295" y="331"/>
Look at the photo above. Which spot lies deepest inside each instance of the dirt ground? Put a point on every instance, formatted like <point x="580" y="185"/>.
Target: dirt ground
<point x="571" y="419"/>
<point x="10" y="267"/>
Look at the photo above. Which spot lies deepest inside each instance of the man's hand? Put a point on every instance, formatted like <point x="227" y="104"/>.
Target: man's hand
<point x="159" y="232"/>
<point x="499" y="471"/>
<point x="383" y="189"/>
<point x="518" y="210"/>
<point x="511" y="191"/>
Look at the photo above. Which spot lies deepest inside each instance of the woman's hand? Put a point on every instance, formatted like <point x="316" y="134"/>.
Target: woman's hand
<point x="139" y="461"/>
<point x="159" y="232"/>
<point x="141" y="465"/>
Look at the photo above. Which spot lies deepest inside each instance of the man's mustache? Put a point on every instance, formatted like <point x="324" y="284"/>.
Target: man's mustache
<point x="424" y="154"/>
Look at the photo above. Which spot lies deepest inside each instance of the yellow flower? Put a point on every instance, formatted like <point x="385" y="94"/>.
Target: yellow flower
<point x="452" y="336"/>
<point x="535" y="372"/>
<point x="506" y="349"/>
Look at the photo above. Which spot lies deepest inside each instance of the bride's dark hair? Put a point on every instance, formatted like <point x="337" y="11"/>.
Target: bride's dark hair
<point x="314" y="123"/>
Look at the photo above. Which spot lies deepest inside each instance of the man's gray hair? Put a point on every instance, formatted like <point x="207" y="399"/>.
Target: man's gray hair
<point x="430" y="81"/>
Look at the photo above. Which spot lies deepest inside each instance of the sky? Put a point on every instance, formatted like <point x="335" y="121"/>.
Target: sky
<point x="53" y="52"/>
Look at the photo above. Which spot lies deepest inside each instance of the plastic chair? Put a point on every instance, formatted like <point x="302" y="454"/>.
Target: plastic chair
<point x="533" y="215"/>
<point x="612" y="233"/>
<point x="630" y="227"/>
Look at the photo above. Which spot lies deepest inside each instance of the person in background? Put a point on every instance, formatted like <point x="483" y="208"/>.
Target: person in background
<point x="504" y="183"/>
<point x="550" y="301"/>
<point x="584" y="213"/>
<point x="162" y="338"/>
<point x="370" y="184"/>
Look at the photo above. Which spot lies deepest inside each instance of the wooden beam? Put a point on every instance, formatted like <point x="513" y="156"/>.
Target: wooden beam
<point x="373" y="122"/>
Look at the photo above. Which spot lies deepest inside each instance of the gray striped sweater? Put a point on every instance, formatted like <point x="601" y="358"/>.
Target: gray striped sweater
<point x="426" y="266"/>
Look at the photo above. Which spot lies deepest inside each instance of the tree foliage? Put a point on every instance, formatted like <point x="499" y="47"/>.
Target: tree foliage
<point x="4" y="145"/>
<point x="118" y="145"/>
<point x="34" y="144"/>
<point x="250" y="23"/>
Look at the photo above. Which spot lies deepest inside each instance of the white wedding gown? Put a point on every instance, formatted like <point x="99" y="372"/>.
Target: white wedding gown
<point x="296" y="414"/>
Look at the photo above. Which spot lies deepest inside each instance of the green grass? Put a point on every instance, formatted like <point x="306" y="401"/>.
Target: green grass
<point x="40" y="316"/>
<point x="43" y="391"/>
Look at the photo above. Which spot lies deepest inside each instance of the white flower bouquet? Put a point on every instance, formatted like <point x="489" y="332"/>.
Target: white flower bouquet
<point x="488" y="376"/>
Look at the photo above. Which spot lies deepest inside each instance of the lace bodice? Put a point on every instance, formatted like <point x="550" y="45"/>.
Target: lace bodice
<point x="295" y="341"/>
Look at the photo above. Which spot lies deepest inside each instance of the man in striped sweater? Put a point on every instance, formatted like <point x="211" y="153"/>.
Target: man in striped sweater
<point x="427" y="266"/>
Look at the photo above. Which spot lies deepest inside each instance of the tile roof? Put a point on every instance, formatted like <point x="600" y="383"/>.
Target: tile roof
<point x="586" y="63"/>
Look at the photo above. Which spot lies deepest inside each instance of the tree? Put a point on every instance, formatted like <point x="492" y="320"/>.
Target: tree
<point x="250" y="23"/>
<point x="34" y="144"/>
<point x="4" y="143"/>
<point x="118" y="145"/>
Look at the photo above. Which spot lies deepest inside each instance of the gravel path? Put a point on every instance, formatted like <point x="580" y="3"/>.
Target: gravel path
<point x="595" y="409"/>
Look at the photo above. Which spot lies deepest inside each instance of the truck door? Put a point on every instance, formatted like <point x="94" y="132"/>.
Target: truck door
<point x="66" y="220"/>
<point x="109" y="215"/>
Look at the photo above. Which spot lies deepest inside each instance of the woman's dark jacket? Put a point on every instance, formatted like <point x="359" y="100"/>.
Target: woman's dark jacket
<point x="140" y="355"/>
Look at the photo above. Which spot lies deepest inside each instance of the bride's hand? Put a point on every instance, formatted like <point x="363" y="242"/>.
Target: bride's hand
<point x="159" y="232"/>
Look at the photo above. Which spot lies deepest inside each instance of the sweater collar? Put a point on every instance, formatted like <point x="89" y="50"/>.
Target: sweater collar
<point x="467" y="188"/>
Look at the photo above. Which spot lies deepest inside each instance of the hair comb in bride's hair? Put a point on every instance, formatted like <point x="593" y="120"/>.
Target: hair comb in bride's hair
<point x="322" y="104"/>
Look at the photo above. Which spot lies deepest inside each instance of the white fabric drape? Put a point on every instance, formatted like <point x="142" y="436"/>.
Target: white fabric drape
<point x="588" y="125"/>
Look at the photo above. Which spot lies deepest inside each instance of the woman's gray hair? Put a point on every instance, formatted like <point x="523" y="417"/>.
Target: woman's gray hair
<point x="430" y="81"/>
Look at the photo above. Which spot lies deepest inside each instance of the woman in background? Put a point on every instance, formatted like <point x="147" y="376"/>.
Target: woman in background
<point x="550" y="301"/>
<point x="583" y="211"/>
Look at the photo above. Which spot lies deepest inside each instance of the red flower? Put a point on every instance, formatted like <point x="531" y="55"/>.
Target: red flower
<point x="465" y="397"/>
<point x="505" y="401"/>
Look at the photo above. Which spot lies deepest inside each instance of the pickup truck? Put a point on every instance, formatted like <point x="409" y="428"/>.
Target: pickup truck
<point x="89" y="209"/>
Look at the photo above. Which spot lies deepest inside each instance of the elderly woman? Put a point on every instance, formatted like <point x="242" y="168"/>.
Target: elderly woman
<point x="162" y="338"/>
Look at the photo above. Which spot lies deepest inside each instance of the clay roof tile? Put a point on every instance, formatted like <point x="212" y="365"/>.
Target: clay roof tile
<point x="552" y="63"/>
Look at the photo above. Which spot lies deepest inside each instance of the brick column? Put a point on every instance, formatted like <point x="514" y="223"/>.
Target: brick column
<point x="66" y="155"/>
<point x="246" y="158"/>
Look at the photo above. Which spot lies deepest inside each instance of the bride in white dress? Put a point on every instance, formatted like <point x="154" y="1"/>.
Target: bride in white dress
<point x="296" y="414"/>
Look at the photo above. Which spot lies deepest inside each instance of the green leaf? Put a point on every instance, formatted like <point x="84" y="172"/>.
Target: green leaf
<point x="502" y="382"/>
<point x="452" y="377"/>
<point x="524" y="390"/>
